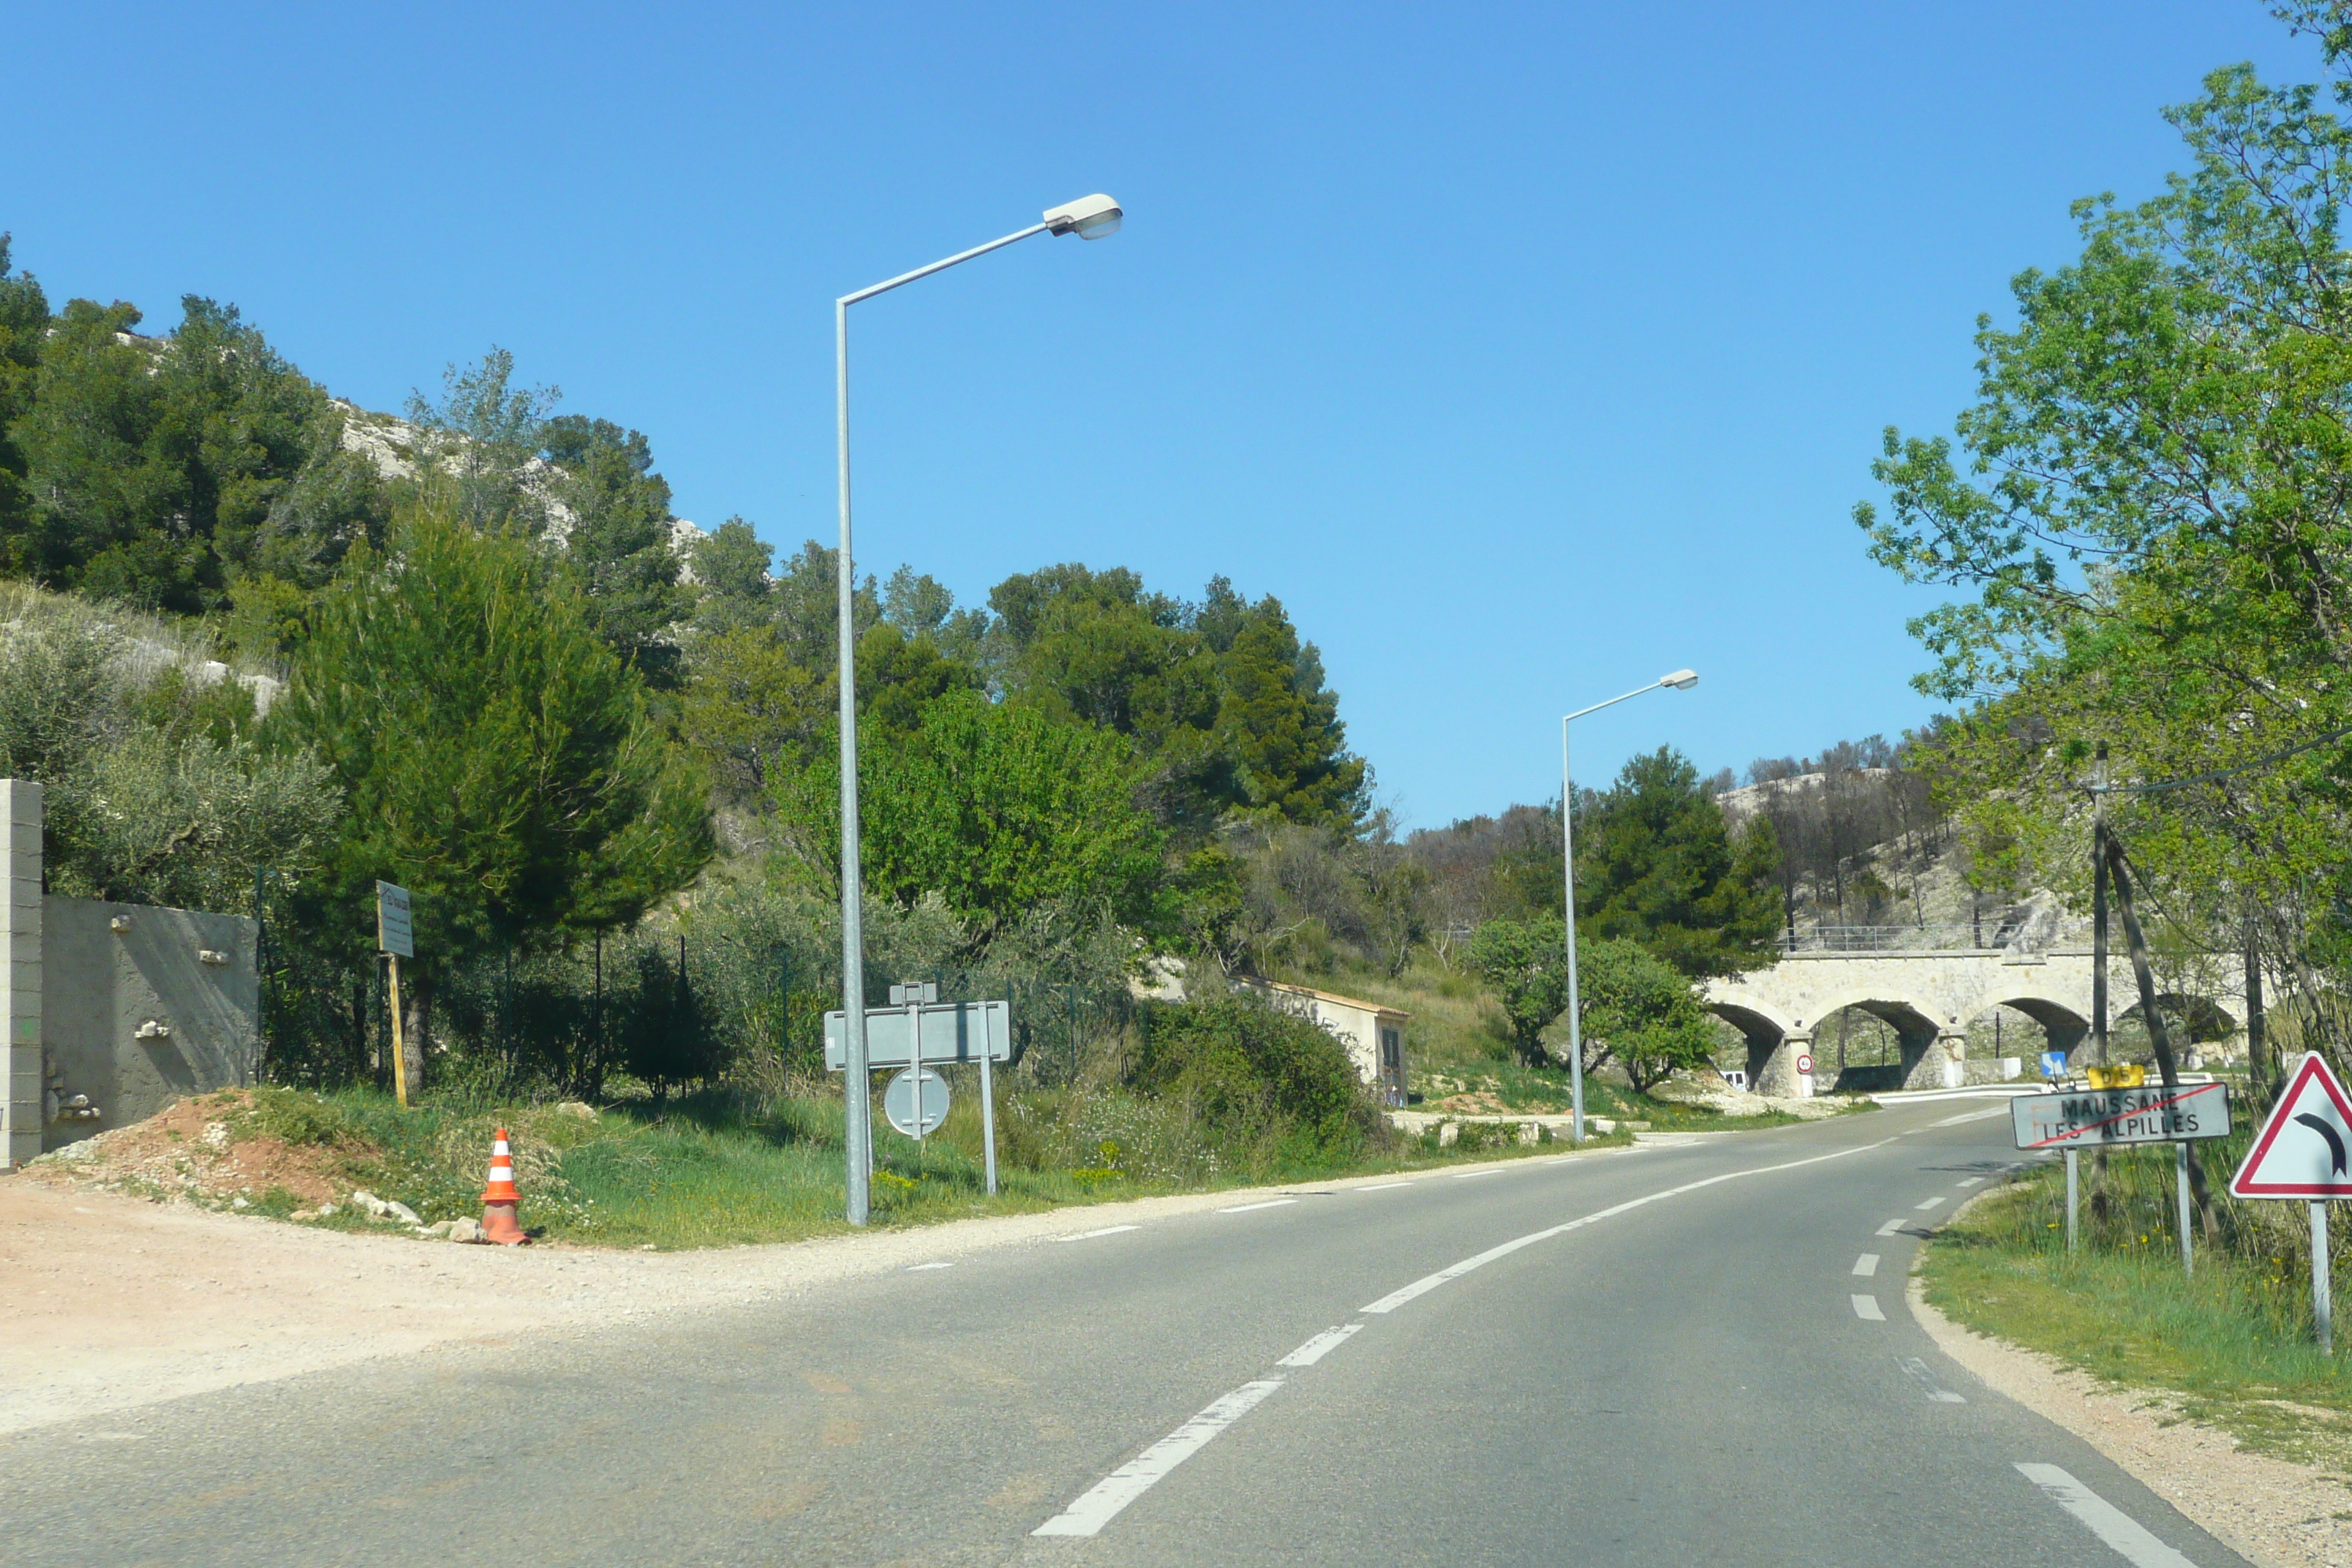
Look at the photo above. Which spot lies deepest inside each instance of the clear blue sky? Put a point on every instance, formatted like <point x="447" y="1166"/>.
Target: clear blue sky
<point x="1525" y="352"/>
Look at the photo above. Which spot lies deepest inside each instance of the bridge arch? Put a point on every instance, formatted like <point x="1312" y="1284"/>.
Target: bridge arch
<point x="2063" y="1027"/>
<point x="1919" y="1064"/>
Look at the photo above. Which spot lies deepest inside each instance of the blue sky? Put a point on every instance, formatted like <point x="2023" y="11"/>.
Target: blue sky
<point x="1524" y="352"/>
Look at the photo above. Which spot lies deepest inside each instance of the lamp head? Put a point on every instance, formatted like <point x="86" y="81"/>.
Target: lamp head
<point x="1089" y="218"/>
<point x="1681" y="679"/>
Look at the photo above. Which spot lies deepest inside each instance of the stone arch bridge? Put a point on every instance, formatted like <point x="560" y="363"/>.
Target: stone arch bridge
<point x="1929" y="996"/>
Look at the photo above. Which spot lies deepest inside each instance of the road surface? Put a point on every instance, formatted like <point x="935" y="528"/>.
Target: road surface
<point x="1696" y="1354"/>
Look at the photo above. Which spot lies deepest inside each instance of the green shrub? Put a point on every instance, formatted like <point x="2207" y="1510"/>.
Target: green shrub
<point x="1250" y="1069"/>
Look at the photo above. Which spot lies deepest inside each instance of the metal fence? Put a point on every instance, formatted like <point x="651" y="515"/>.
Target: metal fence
<point x="1981" y="935"/>
<point x="661" y="1010"/>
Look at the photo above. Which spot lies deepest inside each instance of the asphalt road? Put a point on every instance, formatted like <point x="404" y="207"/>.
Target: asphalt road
<point x="1672" y="1355"/>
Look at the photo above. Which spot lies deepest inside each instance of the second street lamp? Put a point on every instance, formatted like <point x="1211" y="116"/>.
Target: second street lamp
<point x="1089" y="218"/>
<point x="1680" y="681"/>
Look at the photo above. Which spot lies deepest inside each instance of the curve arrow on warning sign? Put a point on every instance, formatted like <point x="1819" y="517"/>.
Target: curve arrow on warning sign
<point x="2301" y="1151"/>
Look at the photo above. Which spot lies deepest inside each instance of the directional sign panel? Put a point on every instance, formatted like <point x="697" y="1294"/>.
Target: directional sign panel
<point x="2303" y="1150"/>
<point x="394" y="933"/>
<point x="953" y="1032"/>
<point x="2092" y="1118"/>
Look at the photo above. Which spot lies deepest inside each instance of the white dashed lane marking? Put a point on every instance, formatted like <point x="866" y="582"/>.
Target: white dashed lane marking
<point x="1916" y="1371"/>
<point x="1866" y="1265"/>
<point x="1269" y="1204"/>
<point x="1383" y="1187"/>
<point x="919" y="1267"/>
<point x="1972" y="1181"/>
<point x="1891" y="1226"/>
<point x="1318" y="1347"/>
<point x="1931" y="1202"/>
<point x="1465" y="1175"/>
<point x="1102" y="1502"/>
<point x="2111" y="1524"/>
<point x="1867" y="1309"/>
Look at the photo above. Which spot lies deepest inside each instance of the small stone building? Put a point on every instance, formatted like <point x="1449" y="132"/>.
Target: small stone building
<point x="1373" y="1034"/>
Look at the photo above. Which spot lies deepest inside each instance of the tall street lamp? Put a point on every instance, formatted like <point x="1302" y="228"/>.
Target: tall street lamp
<point x="1680" y="681"/>
<point x="1089" y="217"/>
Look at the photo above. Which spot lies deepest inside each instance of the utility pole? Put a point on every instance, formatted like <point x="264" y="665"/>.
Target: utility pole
<point x="2099" y="904"/>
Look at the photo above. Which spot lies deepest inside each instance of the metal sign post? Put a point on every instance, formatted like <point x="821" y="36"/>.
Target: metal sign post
<point x="2074" y="1191"/>
<point x="2100" y="1117"/>
<point x="987" y="1105"/>
<point x="395" y="937"/>
<point x="2304" y="1152"/>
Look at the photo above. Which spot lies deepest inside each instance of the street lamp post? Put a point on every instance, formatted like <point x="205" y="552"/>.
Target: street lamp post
<point x="1680" y="681"/>
<point x="1090" y="217"/>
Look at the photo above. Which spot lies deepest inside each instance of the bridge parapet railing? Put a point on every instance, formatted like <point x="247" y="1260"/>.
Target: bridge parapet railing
<point x="1917" y="938"/>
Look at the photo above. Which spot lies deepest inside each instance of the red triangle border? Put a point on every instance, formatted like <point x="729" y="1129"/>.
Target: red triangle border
<point x="2241" y="1187"/>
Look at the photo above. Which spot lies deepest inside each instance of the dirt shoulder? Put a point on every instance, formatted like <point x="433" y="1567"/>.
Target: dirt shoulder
<point x="2273" y="1513"/>
<point x="115" y="1301"/>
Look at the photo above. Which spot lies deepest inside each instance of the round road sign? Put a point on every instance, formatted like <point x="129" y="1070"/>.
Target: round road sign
<point x="1804" y="1064"/>
<point x="901" y="1101"/>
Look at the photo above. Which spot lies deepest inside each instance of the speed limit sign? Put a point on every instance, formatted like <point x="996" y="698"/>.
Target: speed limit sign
<point x="1804" y="1064"/>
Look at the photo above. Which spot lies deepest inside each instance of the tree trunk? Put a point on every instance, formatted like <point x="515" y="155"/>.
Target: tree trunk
<point x="2159" y="1036"/>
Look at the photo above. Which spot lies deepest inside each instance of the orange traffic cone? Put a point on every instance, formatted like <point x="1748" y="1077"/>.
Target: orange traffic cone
<point x="500" y="1198"/>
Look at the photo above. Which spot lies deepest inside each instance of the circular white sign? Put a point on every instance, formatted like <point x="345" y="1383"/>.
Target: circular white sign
<point x="901" y="1100"/>
<point x="1804" y="1064"/>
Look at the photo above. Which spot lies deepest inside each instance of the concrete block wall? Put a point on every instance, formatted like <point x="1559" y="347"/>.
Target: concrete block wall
<point x="147" y="1006"/>
<point x="21" y="1084"/>
<point x="112" y="1011"/>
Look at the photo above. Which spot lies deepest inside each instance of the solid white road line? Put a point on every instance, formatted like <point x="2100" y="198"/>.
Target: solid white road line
<point x="1866" y="1265"/>
<point x="1972" y="1181"/>
<point x="1465" y="1175"/>
<point x="1318" y="1347"/>
<point x="1916" y="1371"/>
<point x="2002" y="1110"/>
<point x="1100" y="1504"/>
<point x="1384" y="1187"/>
<point x="1931" y="1202"/>
<point x="2108" y="1522"/>
<point x="1090" y="1235"/>
<point x="1867" y="1309"/>
<point x="1428" y="1282"/>
<point x="919" y="1267"/>
<point x="1269" y="1204"/>
<point x="1891" y="1226"/>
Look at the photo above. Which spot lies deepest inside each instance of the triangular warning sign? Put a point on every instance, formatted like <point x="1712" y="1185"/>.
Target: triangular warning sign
<point x="2304" y="1149"/>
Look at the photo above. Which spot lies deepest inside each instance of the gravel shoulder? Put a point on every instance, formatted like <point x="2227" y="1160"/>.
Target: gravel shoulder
<point x="116" y="1301"/>
<point x="2272" y="1512"/>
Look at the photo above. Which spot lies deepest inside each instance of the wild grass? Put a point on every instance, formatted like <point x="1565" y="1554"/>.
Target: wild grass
<point x="2230" y="1345"/>
<point x="720" y="1170"/>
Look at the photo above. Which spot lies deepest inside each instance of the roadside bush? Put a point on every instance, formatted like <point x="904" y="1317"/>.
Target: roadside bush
<point x="1252" y="1071"/>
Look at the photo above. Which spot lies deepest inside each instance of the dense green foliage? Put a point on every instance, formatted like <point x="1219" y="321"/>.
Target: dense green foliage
<point x="1656" y="863"/>
<point x="154" y="789"/>
<point x="2146" y="507"/>
<point x="1250" y="1069"/>
<point x="996" y="807"/>
<point x="497" y="760"/>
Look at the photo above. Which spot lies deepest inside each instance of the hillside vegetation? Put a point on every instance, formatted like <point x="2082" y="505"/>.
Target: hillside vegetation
<point x="266" y="649"/>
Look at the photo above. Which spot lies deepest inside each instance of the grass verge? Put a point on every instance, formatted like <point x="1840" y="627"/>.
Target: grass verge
<point x="2230" y="1346"/>
<point x="717" y="1170"/>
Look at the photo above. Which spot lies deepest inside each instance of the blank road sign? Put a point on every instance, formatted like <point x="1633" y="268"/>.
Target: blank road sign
<point x="953" y="1032"/>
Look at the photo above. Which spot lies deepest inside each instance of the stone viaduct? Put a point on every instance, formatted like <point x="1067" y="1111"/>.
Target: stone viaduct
<point x="1929" y="996"/>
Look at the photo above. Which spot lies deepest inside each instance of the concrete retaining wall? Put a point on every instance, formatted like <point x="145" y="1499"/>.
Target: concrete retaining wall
<point x="114" y="1011"/>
